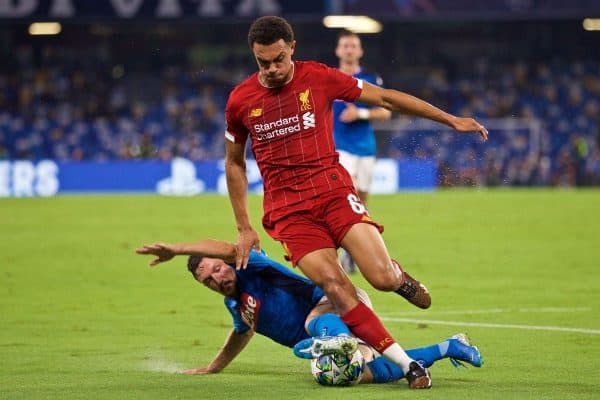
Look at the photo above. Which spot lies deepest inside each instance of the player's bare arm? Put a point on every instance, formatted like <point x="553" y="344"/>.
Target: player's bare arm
<point x="237" y="184"/>
<point x="207" y="248"/>
<point x="234" y="344"/>
<point x="395" y="100"/>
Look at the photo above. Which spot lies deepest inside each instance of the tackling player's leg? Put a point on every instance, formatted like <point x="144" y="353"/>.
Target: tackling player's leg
<point x="322" y="268"/>
<point x="347" y="262"/>
<point x="380" y="370"/>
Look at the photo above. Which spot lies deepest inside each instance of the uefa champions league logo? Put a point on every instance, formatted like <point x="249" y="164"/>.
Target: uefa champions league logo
<point x="183" y="181"/>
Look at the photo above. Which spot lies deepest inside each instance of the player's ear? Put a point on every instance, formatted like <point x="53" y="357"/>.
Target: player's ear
<point x="292" y="47"/>
<point x="338" y="51"/>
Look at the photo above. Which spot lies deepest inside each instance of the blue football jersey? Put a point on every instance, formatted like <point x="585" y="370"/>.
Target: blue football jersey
<point x="356" y="137"/>
<point x="273" y="300"/>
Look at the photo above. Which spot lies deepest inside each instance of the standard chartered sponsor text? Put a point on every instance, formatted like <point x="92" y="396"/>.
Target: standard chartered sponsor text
<point x="280" y="127"/>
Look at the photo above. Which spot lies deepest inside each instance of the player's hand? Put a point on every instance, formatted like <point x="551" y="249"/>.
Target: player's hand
<point x="162" y="251"/>
<point x="469" y="125"/>
<point x="247" y="239"/>
<point x="198" y="371"/>
<point x="350" y="113"/>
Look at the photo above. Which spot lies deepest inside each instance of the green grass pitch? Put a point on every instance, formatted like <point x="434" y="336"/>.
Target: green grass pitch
<point x="83" y="317"/>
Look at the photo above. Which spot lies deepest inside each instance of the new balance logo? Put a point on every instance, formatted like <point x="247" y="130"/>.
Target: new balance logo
<point x="308" y="120"/>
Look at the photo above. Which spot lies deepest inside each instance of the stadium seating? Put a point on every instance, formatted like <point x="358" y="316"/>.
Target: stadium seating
<point x="95" y="111"/>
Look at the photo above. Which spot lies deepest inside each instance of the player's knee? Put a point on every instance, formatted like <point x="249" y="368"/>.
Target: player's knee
<point x="386" y="279"/>
<point x="335" y="287"/>
<point x="340" y="292"/>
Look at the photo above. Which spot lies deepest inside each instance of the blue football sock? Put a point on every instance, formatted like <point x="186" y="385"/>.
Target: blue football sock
<point x="384" y="370"/>
<point x="327" y="325"/>
<point x="428" y="355"/>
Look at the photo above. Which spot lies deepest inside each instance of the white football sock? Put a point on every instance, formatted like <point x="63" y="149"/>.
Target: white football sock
<point x="396" y="354"/>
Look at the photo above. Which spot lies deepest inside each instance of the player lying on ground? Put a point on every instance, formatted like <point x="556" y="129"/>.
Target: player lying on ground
<point x="268" y="298"/>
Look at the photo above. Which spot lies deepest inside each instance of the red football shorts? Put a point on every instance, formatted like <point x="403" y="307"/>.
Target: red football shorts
<point x="318" y="223"/>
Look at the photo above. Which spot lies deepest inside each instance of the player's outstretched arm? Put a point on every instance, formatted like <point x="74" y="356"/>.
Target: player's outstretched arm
<point x="234" y="344"/>
<point x="237" y="185"/>
<point x="208" y="248"/>
<point x="395" y="100"/>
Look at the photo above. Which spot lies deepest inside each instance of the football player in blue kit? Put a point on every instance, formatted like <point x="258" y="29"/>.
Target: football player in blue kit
<point x="352" y="129"/>
<point x="270" y="299"/>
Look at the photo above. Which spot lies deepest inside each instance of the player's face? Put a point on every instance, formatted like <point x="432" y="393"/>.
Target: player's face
<point x="216" y="275"/>
<point x="274" y="62"/>
<point x="349" y="49"/>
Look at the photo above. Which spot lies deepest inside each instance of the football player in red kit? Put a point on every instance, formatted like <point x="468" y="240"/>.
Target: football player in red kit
<point x="310" y="204"/>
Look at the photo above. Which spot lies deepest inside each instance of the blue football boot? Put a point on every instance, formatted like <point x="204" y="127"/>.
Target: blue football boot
<point x="460" y="349"/>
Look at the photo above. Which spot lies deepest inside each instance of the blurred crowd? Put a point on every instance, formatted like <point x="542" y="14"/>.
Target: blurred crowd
<point x="70" y="111"/>
<point x="548" y="132"/>
<point x="95" y="110"/>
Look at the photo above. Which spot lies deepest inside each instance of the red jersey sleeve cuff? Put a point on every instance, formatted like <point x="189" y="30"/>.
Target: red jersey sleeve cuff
<point x="229" y="137"/>
<point x="357" y="89"/>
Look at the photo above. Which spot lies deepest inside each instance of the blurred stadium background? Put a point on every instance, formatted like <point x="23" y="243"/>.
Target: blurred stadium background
<point x="128" y="95"/>
<point x="139" y="86"/>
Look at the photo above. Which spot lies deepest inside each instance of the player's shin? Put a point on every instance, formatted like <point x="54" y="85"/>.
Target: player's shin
<point x="366" y="325"/>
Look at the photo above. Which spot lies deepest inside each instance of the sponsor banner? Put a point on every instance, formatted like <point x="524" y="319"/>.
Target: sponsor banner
<point x="417" y="174"/>
<point x="126" y="9"/>
<point x="180" y="177"/>
<point x="440" y="9"/>
<point x="390" y="9"/>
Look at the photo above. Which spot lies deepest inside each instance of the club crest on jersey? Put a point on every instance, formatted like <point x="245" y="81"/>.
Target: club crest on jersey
<point x="304" y="98"/>
<point x="256" y="112"/>
<point x="249" y="309"/>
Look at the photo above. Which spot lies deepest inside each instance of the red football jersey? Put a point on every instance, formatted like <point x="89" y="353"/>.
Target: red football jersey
<point x="291" y="131"/>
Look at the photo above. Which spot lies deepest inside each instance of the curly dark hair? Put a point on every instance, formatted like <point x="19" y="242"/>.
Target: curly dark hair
<point x="268" y="30"/>
<point x="192" y="264"/>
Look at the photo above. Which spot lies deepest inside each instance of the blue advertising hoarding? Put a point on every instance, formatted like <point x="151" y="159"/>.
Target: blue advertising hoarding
<point x="180" y="177"/>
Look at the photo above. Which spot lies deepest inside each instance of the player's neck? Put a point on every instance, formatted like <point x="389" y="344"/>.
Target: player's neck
<point x="350" y="69"/>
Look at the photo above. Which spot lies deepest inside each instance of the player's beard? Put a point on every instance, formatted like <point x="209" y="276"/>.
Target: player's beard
<point x="274" y="80"/>
<point x="228" y="288"/>
<point x="277" y="79"/>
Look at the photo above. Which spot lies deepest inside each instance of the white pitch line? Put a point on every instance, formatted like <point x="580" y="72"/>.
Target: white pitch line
<point x="498" y="311"/>
<point x="554" y="309"/>
<point x="487" y="325"/>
